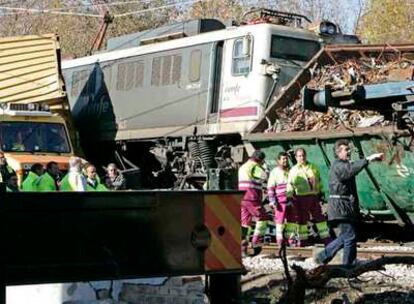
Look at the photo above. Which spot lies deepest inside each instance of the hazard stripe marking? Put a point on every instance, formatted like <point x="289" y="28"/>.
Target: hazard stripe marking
<point x="211" y="261"/>
<point x="226" y="218"/>
<point x="222" y="254"/>
<point x="232" y="203"/>
<point x="227" y="239"/>
<point x="224" y="251"/>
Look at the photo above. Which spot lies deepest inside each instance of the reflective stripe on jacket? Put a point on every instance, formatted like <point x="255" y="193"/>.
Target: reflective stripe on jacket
<point x="30" y="182"/>
<point x="73" y="181"/>
<point x="251" y="177"/>
<point x="277" y="185"/>
<point x="304" y="179"/>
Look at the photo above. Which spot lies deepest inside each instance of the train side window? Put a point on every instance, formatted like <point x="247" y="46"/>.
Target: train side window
<point x="195" y="66"/>
<point x="166" y="70"/>
<point x="120" y="79"/>
<point x="176" y="70"/>
<point x="156" y="72"/>
<point x="241" y="62"/>
<point x="139" y="74"/>
<point x="130" y="76"/>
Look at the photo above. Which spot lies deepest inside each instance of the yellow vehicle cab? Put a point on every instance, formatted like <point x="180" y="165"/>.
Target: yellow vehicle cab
<point x="30" y="133"/>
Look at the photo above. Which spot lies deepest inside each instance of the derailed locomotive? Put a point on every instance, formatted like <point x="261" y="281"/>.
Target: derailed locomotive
<point x="187" y="93"/>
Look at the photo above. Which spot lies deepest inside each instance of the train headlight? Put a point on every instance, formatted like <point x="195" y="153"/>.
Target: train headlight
<point x="331" y="29"/>
<point x="327" y="28"/>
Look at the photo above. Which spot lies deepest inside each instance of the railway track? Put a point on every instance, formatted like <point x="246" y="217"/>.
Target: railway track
<point x="365" y="250"/>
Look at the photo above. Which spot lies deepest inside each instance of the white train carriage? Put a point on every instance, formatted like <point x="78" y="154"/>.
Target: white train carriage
<point x="172" y="87"/>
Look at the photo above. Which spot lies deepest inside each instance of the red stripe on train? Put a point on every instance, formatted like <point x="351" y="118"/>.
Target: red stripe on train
<point x="237" y="112"/>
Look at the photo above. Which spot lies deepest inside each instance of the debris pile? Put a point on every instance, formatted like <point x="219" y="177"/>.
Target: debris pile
<point x="342" y="75"/>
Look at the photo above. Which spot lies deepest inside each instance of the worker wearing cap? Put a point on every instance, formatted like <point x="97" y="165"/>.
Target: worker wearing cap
<point x="284" y="210"/>
<point x="305" y="189"/>
<point x="251" y="177"/>
<point x="343" y="203"/>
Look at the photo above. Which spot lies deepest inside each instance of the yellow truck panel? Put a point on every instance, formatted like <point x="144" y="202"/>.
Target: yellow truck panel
<point x="29" y="70"/>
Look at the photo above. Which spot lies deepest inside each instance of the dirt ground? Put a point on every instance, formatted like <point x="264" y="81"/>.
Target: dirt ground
<point x="269" y="289"/>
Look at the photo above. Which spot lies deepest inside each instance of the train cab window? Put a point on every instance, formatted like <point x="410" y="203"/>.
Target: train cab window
<point x="156" y="72"/>
<point x="241" y="61"/>
<point x="293" y="48"/>
<point x="195" y="66"/>
<point x="79" y="80"/>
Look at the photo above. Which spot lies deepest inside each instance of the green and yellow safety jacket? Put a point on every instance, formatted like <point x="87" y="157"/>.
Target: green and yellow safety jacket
<point x="304" y="179"/>
<point x="97" y="186"/>
<point x="46" y="183"/>
<point x="30" y="182"/>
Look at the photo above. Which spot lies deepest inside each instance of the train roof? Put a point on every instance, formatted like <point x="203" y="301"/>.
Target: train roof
<point x="227" y="33"/>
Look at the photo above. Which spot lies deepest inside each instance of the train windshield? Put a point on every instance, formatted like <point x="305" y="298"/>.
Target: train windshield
<point x="293" y="48"/>
<point x="34" y="137"/>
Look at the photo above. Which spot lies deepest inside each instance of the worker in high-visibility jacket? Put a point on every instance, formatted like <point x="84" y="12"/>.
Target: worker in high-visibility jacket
<point x="304" y="187"/>
<point x="93" y="182"/>
<point x="74" y="180"/>
<point x="30" y="182"/>
<point x="284" y="210"/>
<point x="251" y="177"/>
<point x="49" y="180"/>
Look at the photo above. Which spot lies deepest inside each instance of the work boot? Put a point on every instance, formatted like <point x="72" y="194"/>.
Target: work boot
<point x="320" y="258"/>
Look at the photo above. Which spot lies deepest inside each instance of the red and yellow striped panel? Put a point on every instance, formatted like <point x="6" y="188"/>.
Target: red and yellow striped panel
<point x="222" y="218"/>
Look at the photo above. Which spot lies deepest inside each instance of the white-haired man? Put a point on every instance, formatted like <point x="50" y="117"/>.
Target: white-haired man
<point x="74" y="180"/>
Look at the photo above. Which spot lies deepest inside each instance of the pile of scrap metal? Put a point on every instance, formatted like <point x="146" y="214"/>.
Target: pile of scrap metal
<point x="343" y="71"/>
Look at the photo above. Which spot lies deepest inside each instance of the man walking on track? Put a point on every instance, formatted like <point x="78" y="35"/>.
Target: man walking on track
<point x="304" y="187"/>
<point x="343" y="204"/>
<point x="285" y="215"/>
<point x="251" y="177"/>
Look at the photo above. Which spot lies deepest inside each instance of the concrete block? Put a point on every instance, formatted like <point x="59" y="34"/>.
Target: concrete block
<point x="181" y="292"/>
<point x="178" y="300"/>
<point x="156" y="300"/>
<point x="174" y="282"/>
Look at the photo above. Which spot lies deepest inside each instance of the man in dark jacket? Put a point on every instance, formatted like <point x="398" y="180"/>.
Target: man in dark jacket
<point x="5" y="170"/>
<point x="343" y="205"/>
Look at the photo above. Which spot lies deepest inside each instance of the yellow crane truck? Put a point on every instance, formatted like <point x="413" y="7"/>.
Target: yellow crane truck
<point x="34" y="115"/>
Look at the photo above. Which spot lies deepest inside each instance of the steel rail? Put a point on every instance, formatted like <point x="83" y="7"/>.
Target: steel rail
<point x="363" y="251"/>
